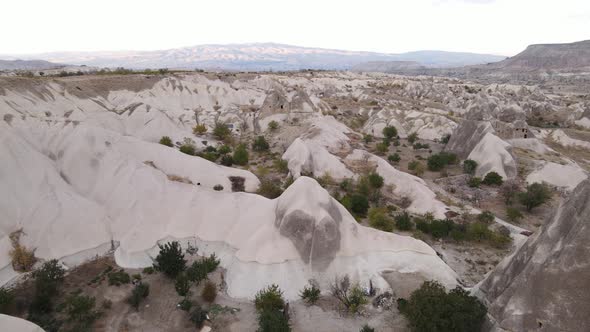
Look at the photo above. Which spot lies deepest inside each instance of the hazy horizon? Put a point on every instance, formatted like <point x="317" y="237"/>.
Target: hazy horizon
<point x="499" y="27"/>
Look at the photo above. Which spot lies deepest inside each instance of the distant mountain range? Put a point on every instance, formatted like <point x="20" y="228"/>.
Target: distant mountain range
<point x="256" y="56"/>
<point x="27" y="65"/>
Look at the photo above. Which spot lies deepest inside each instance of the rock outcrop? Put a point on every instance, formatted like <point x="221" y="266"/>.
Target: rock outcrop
<point x="544" y="285"/>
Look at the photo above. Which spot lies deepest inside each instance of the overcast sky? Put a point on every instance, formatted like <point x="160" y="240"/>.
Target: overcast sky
<point x="503" y="27"/>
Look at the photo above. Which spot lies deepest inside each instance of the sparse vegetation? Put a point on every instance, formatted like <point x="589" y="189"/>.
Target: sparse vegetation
<point x="474" y="182"/>
<point x="536" y="194"/>
<point x="6" y="300"/>
<point x="139" y="292"/>
<point x="437" y="162"/>
<point x="118" y="278"/>
<point x="209" y="292"/>
<point x="22" y="258"/>
<point x="260" y="144"/>
<point x="270" y="306"/>
<point x="394" y="158"/>
<point x="188" y="149"/>
<point x="513" y="214"/>
<point x="416" y="167"/>
<point x="310" y="294"/>
<point x="390" y="132"/>
<point x="221" y="131"/>
<point x="269" y="189"/>
<point x="403" y="222"/>
<point x="182" y="284"/>
<point x="165" y="140"/>
<point x="199" y="129"/>
<point x="412" y="138"/>
<point x="350" y="296"/>
<point x="273" y="125"/>
<point x="380" y="219"/>
<point x="198" y="316"/>
<point x="240" y="155"/>
<point x="80" y="312"/>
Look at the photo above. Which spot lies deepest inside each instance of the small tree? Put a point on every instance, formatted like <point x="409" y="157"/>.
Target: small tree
<point x="310" y="294"/>
<point x="260" y="144"/>
<point x="403" y="222"/>
<point x="270" y="298"/>
<point x="165" y="140"/>
<point x="182" y="284"/>
<point x="221" y="131"/>
<point x="513" y="214"/>
<point x="240" y="155"/>
<point x="359" y="204"/>
<point x="47" y="280"/>
<point x="416" y="167"/>
<point x="381" y="148"/>
<point x="492" y="179"/>
<point x="139" y="292"/>
<point x="170" y="260"/>
<point x="412" y="138"/>
<point x="535" y="195"/>
<point x="273" y="125"/>
<point x="469" y="166"/>
<point x="367" y="328"/>
<point x="390" y="132"/>
<point x="375" y="180"/>
<point x="273" y="321"/>
<point x="199" y="129"/>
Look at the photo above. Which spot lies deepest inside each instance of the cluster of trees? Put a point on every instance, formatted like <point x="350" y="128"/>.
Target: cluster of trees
<point x="437" y="162"/>
<point x="357" y="196"/>
<point x="432" y="308"/>
<point x="476" y="229"/>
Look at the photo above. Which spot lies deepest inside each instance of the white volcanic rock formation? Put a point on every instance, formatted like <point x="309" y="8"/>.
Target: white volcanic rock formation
<point x="543" y="286"/>
<point x="81" y="174"/>
<point x="15" y="324"/>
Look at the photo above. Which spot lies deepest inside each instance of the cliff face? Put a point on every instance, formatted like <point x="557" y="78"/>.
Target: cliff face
<point x="572" y="56"/>
<point x="545" y="285"/>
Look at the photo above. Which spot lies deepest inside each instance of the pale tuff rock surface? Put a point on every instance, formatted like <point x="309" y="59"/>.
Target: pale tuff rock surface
<point x="493" y="155"/>
<point x="82" y="174"/>
<point x="467" y="136"/>
<point x="543" y="285"/>
<point x="10" y="324"/>
<point x="567" y="176"/>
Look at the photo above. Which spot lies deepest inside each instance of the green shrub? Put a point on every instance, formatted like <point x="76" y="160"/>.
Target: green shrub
<point x="469" y="166"/>
<point x="346" y="185"/>
<point x="197" y="272"/>
<point x="389" y="132"/>
<point x="209" y="292"/>
<point x="445" y="139"/>
<point x="281" y="165"/>
<point x="492" y="179"/>
<point x="394" y="158"/>
<point x="80" y="312"/>
<point x="368" y="139"/>
<point x="478" y="231"/>
<point x="185" y="304"/>
<point x="310" y="294"/>
<point x="474" y="182"/>
<point x="420" y="146"/>
<point x="273" y="125"/>
<point x="412" y="138"/>
<point x="199" y="129"/>
<point x="375" y="180"/>
<point x="182" y="284"/>
<point x="486" y="217"/>
<point x="118" y="278"/>
<point x="535" y="195"/>
<point x="139" y="292"/>
<point x="224" y="149"/>
<point x="260" y="144"/>
<point x="379" y="219"/>
<point x="198" y="316"/>
<point x="240" y="155"/>
<point x="403" y="222"/>
<point x="350" y="296"/>
<point x="170" y="260"/>
<point x="211" y="263"/>
<point x="188" y="149"/>
<point x="47" y="281"/>
<point x="381" y="148"/>
<point x="273" y="321"/>
<point x="270" y="298"/>
<point x="226" y="160"/>
<point x="148" y="270"/>
<point x="513" y="214"/>
<point x="221" y="131"/>
<point x="416" y="167"/>
<point x="437" y="162"/>
<point x="431" y="308"/>
<point x="218" y="187"/>
<point x="6" y="300"/>
<point x="359" y="204"/>
<point x="165" y="140"/>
